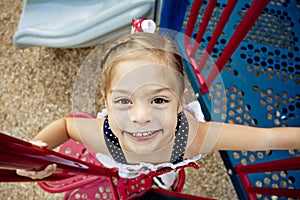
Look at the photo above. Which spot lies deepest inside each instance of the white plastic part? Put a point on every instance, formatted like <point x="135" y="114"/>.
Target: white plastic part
<point x="77" y="23"/>
<point x="147" y="26"/>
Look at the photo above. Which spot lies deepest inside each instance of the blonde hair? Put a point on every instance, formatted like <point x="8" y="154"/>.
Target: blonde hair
<point x="162" y="50"/>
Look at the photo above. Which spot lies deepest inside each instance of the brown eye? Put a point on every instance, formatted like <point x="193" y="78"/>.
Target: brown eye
<point x="159" y="101"/>
<point x="123" y="101"/>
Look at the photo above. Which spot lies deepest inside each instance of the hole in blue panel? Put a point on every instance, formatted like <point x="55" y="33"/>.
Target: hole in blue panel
<point x="282" y="18"/>
<point x="270" y="54"/>
<point x="257" y="58"/>
<point x="215" y="50"/>
<point x="285" y="13"/>
<point x="243" y="56"/>
<point x="284" y="110"/>
<point x="296" y="48"/>
<point x="223" y="41"/>
<point x="290" y="55"/>
<point x="291" y="69"/>
<point x="254" y="122"/>
<point x="235" y="73"/>
<point x="277" y="66"/>
<point x="284" y="4"/>
<point x="291" y="116"/>
<point x="284" y="64"/>
<point x="250" y="46"/>
<point x="255" y="88"/>
<point x="279" y="12"/>
<point x="249" y="60"/>
<point x="263" y="63"/>
<point x="269" y="152"/>
<point x="264" y="49"/>
<point x="270" y="61"/>
<point x="291" y="107"/>
<point x="292" y="179"/>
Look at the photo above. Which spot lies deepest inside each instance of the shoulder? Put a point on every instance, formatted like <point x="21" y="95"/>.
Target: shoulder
<point x="89" y="131"/>
<point x="197" y="132"/>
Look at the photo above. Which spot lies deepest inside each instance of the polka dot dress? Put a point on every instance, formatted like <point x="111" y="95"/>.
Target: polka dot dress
<point x="181" y="135"/>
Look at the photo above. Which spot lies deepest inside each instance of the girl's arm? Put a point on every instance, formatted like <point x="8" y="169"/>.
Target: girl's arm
<point x="58" y="132"/>
<point x="54" y="135"/>
<point x="83" y="130"/>
<point x="239" y="137"/>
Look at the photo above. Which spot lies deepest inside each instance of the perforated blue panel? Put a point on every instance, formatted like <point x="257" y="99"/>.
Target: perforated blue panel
<point x="261" y="80"/>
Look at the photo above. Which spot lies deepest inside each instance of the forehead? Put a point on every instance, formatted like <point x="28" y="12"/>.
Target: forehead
<point x="135" y="73"/>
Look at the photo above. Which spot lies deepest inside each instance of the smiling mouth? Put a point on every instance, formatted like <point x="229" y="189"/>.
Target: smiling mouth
<point x="143" y="135"/>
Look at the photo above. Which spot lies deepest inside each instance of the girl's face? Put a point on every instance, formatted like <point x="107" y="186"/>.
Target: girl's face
<point x="143" y="104"/>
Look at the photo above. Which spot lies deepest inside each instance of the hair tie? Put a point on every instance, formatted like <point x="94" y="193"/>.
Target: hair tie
<point x="143" y="25"/>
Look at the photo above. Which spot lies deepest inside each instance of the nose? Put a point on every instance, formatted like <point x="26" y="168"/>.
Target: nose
<point x="140" y="114"/>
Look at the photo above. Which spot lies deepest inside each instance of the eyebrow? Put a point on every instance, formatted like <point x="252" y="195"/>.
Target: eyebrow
<point x="124" y="91"/>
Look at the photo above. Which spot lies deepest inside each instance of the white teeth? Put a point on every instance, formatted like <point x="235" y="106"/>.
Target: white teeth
<point x="142" y="134"/>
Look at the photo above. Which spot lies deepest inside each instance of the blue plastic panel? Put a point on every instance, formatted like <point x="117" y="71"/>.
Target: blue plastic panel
<point x="261" y="81"/>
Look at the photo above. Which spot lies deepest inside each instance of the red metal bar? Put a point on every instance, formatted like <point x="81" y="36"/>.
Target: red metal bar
<point x="75" y="181"/>
<point x="279" y="165"/>
<point x="245" y="25"/>
<point x="203" y="26"/>
<point x="7" y="175"/>
<point x="18" y="154"/>
<point x="193" y="17"/>
<point x="188" y="46"/>
<point x="239" y="34"/>
<point x="199" y="75"/>
<point x="217" y="32"/>
<point x="289" y="193"/>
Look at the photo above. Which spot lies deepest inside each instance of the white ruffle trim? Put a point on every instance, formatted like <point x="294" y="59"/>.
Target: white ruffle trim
<point x="132" y="171"/>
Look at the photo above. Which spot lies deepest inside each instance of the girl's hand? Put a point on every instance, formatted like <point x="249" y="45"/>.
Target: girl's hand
<point x="48" y="171"/>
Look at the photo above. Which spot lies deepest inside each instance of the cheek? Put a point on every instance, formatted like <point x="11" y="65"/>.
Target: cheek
<point x="118" y="119"/>
<point x="167" y="119"/>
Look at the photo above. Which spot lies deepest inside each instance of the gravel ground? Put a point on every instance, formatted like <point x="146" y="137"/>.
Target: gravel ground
<point x="36" y="88"/>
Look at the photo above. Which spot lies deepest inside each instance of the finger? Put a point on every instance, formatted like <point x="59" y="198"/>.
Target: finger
<point x="30" y="174"/>
<point x="49" y="170"/>
<point x="21" y="172"/>
<point x="39" y="143"/>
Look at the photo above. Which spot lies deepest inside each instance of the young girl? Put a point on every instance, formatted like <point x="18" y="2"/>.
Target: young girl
<point x="146" y="126"/>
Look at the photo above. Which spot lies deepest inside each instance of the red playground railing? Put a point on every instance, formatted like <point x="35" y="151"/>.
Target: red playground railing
<point x="241" y="31"/>
<point x="79" y="173"/>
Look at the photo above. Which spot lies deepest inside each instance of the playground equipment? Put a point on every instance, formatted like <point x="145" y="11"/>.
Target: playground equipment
<point x="78" y="23"/>
<point x="255" y="46"/>
<point x="79" y="174"/>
